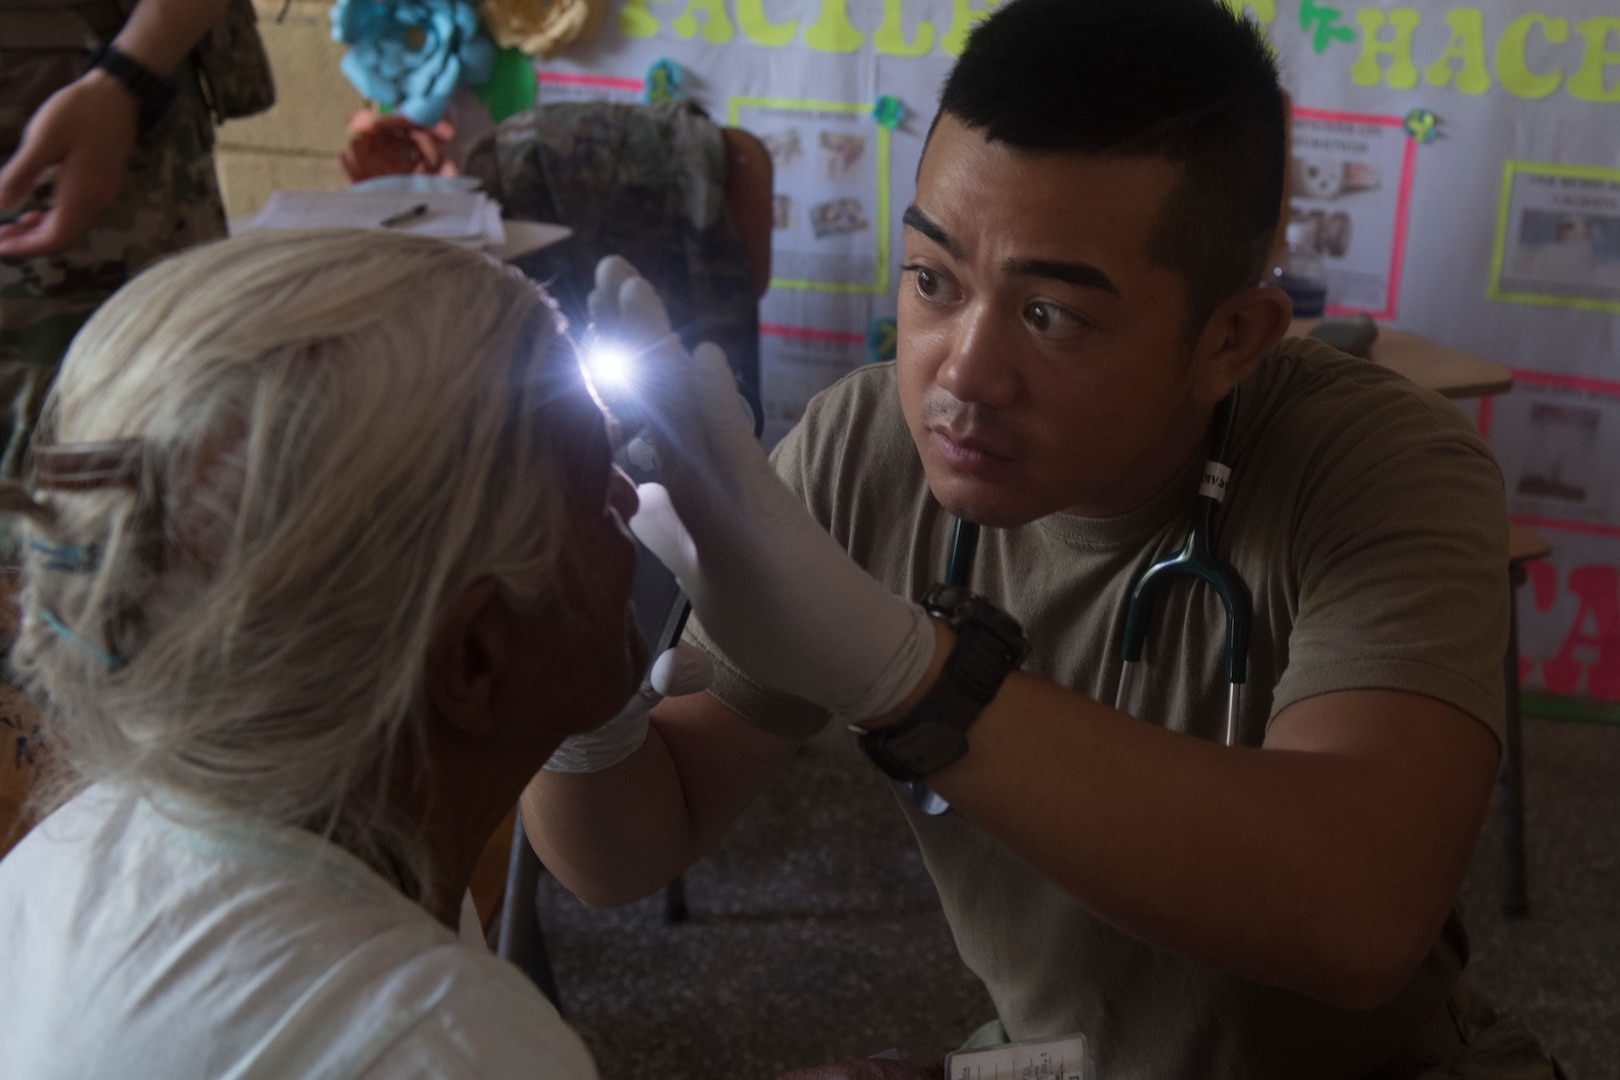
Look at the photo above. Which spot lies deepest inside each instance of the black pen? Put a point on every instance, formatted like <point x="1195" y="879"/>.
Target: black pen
<point x="405" y="216"/>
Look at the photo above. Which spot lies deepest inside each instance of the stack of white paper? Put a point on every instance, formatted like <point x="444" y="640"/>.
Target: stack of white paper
<point x="467" y="218"/>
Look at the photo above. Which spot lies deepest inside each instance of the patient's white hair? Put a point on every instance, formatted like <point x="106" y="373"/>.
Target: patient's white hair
<point x="340" y="430"/>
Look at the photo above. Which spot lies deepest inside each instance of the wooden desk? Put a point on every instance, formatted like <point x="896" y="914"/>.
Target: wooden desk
<point x="1449" y="371"/>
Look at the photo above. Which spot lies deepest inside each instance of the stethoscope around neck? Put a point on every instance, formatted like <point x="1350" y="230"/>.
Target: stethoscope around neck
<point x="1196" y="559"/>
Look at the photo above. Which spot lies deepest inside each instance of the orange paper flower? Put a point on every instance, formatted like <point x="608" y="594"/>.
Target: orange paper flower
<point x="391" y="145"/>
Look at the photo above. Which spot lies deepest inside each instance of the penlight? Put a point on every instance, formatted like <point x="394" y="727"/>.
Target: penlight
<point x="609" y="366"/>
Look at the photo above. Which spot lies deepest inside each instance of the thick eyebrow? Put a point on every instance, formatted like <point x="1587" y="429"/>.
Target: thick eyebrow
<point x="914" y="218"/>
<point x="1070" y="273"/>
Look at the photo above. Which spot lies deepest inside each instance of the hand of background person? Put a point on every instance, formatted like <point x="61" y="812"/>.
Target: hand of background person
<point x="85" y="130"/>
<point x="774" y="591"/>
<point x="873" y="1069"/>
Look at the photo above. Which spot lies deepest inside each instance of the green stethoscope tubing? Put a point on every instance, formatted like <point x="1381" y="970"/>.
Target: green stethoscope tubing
<point x="1197" y="559"/>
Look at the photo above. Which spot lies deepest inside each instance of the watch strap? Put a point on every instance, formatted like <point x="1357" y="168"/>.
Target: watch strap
<point x="989" y="645"/>
<point x="152" y="92"/>
<point x="928" y="738"/>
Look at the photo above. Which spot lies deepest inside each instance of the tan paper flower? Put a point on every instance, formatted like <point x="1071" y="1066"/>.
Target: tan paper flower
<point x="542" y="27"/>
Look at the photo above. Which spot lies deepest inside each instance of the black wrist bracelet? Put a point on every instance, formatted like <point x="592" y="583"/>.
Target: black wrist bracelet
<point x="152" y="92"/>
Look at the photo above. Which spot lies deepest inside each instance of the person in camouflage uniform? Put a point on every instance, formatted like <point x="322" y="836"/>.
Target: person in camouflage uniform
<point x="97" y="230"/>
<point x="97" y="197"/>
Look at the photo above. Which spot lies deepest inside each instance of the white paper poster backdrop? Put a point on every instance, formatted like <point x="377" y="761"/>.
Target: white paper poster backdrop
<point x="830" y="204"/>
<point x="1461" y="168"/>
<point x="1558" y="237"/>
<point x="1352" y="188"/>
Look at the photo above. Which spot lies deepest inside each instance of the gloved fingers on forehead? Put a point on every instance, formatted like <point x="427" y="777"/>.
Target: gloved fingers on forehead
<point x="710" y="361"/>
<point x="642" y="311"/>
<point x="611" y="274"/>
<point x="709" y="364"/>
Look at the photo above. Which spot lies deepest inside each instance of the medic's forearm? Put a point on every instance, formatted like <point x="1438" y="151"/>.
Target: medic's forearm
<point x="159" y="33"/>
<point x="1284" y="867"/>
<point x="615" y="836"/>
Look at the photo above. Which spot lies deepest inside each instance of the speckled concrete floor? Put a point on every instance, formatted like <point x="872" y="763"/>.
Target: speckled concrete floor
<point x="1560" y="968"/>
<point x="816" y="936"/>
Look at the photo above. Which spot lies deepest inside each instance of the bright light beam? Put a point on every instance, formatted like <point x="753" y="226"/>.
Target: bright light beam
<point x="610" y="367"/>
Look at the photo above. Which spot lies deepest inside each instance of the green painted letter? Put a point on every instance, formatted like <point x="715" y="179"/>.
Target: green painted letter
<point x="964" y="17"/>
<point x="1402" y="75"/>
<point x="1513" y="71"/>
<point x="1587" y="83"/>
<point x="890" y="39"/>
<point x="1264" y="10"/>
<point x="1468" y="45"/>
<point x="636" y="21"/>
<point x="832" y="31"/>
<point x="760" y="30"/>
<point x="716" y="23"/>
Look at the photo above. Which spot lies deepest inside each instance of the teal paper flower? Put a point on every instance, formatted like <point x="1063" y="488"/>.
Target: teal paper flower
<point x="1422" y="125"/>
<point x="408" y="55"/>
<point x="889" y="111"/>
<point x="882" y="336"/>
<point x="663" y="82"/>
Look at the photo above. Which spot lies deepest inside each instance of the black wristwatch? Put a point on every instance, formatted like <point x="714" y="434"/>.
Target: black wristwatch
<point x="153" y="93"/>
<point x="989" y="645"/>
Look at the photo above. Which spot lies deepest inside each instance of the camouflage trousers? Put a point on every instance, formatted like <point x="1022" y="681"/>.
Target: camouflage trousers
<point x="170" y="200"/>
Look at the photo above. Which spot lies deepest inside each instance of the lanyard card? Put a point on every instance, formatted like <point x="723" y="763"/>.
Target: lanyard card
<point x="1062" y="1058"/>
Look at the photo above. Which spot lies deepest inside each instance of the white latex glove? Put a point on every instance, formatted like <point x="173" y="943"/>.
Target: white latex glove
<point x="677" y="672"/>
<point x="774" y="590"/>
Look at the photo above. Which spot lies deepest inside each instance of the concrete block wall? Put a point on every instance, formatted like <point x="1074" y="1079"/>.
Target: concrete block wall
<point x="295" y="145"/>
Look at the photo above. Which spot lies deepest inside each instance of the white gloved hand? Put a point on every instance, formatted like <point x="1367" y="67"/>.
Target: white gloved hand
<point x="677" y="672"/>
<point x="775" y="592"/>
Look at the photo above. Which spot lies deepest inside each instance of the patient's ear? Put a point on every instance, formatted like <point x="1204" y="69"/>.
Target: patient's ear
<point x="468" y="657"/>
<point x="1239" y="332"/>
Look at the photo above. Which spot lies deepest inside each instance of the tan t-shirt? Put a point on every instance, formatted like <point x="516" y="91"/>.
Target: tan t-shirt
<point x="1367" y="518"/>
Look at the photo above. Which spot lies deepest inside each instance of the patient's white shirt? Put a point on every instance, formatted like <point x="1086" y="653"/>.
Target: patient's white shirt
<point x="135" y="946"/>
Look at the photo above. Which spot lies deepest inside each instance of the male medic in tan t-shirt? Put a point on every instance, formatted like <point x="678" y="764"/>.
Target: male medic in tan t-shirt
<point x="1093" y="211"/>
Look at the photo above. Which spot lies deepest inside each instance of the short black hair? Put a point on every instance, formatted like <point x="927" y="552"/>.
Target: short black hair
<point x="1186" y="81"/>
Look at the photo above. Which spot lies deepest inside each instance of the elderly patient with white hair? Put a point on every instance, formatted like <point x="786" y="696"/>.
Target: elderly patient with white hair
<point x="324" y="557"/>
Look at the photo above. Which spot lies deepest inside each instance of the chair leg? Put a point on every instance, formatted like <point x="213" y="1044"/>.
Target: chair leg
<point x="520" y="939"/>
<point x="1510" y="781"/>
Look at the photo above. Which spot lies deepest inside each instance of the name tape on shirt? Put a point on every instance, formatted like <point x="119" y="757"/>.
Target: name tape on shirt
<point x="1062" y="1058"/>
<point x="1216" y="477"/>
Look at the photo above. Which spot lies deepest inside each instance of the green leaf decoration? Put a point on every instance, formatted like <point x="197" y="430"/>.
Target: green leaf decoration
<point x="511" y="87"/>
